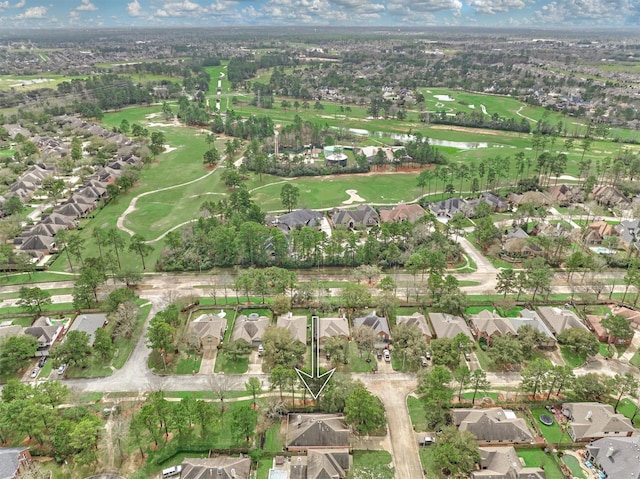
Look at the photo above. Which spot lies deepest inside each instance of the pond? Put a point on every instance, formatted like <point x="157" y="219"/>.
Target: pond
<point x="574" y="464"/>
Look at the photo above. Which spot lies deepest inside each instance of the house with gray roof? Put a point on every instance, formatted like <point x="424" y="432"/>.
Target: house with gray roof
<point x="44" y="244"/>
<point x="329" y="327"/>
<point x="298" y="219"/>
<point x="89" y="323"/>
<point x="629" y="231"/>
<point x="364" y="216"/>
<point x="13" y="461"/>
<point x="378" y="323"/>
<point x="497" y="204"/>
<point x="591" y="420"/>
<point x="45" y="334"/>
<point x="221" y="467"/>
<point x="616" y="456"/>
<point x="316" y="431"/>
<point x="503" y="463"/>
<point x="449" y="326"/>
<point x="8" y="330"/>
<point x="297" y="325"/>
<point x="445" y="209"/>
<point x="250" y="328"/>
<point x="419" y="321"/>
<point x="488" y="325"/>
<point x="321" y="464"/>
<point x="492" y="425"/>
<point x="559" y="320"/>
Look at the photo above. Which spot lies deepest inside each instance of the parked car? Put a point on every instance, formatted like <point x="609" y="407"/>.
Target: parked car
<point x="428" y="355"/>
<point x="260" y="350"/>
<point x="43" y="359"/>
<point x="467" y="356"/>
<point x="423" y="361"/>
<point x="387" y="356"/>
<point x="62" y="369"/>
<point x="426" y="441"/>
<point x="34" y="373"/>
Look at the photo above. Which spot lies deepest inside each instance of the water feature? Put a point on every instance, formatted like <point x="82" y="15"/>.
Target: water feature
<point x="574" y="464"/>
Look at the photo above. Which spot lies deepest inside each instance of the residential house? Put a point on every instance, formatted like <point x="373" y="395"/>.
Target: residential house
<point x="38" y="243"/>
<point x="8" y="330"/>
<point x="519" y="248"/>
<point x="488" y="325"/>
<point x="565" y="195"/>
<point x="46" y="335"/>
<point x="320" y="464"/>
<point x="591" y="420"/>
<point x="502" y="462"/>
<point x="631" y="314"/>
<point x="89" y="323"/>
<point x="595" y="324"/>
<point x="536" y="198"/>
<point x="597" y="231"/>
<point x="297" y="325"/>
<point x="552" y="230"/>
<point x="379" y="324"/>
<point x="316" y="431"/>
<point x="629" y="231"/>
<point x="250" y="328"/>
<point x="58" y="219"/>
<point x="419" y="320"/>
<point x="402" y="212"/>
<point x="222" y="467"/>
<point x="14" y="461"/>
<point x="297" y="219"/>
<point x="560" y="319"/>
<point x="515" y="233"/>
<point x="444" y="210"/>
<point x="449" y="326"/>
<point x="492" y="425"/>
<point x="330" y="327"/>
<point x="206" y="332"/>
<point x="610" y="197"/>
<point x="497" y="204"/>
<point x="532" y="319"/>
<point x="617" y="457"/>
<point x="370" y="152"/>
<point x="364" y="216"/>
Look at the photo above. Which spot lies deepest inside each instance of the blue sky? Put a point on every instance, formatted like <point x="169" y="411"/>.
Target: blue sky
<point x="491" y="13"/>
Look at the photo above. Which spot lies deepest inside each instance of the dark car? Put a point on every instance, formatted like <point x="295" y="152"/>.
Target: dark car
<point x="43" y="360"/>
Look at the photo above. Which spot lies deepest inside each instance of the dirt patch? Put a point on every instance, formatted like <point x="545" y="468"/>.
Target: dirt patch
<point x="464" y="129"/>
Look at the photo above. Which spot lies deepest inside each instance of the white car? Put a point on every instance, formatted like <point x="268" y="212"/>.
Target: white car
<point x="34" y="373"/>
<point x="62" y="369"/>
<point x="387" y="356"/>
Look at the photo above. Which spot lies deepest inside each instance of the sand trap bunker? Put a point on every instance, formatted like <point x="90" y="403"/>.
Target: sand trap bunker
<point x="444" y="98"/>
<point x="353" y="197"/>
<point x="169" y="148"/>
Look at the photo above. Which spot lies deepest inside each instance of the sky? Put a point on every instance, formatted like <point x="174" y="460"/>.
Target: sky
<point x="397" y="13"/>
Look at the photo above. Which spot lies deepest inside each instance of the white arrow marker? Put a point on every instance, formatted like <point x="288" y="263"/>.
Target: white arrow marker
<point x="315" y="380"/>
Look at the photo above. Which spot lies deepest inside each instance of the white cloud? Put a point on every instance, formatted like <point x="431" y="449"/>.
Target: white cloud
<point x="33" y="12"/>
<point x="161" y="13"/>
<point x="86" y="6"/>
<point x="597" y="12"/>
<point x="410" y="9"/>
<point x="4" y="5"/>
<point x="180" y="9"/>
<point x="496" y="6"/>
<point x="134" y="9"/>
<point x="20" y="4"/>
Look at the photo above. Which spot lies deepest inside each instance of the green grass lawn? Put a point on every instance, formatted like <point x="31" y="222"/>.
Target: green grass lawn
<point x="189" y="364"/>
<point x="274" y="441"/>
<point x="538" y="458"/>
<point x="552" y="434"/>
<point x="417" y="414"/>
<point x="628" y="409"/>
<point x="224" y="364"/>
<point x="359" y="364"/>
<point x="124" y="346"/>
<point x="571" y="358"/>
<point x="635" y="359"/>
<point x="371" y="458"/>
<point x="426" y="458"/>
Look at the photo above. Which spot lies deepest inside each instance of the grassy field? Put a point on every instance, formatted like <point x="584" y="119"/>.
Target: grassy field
<point x="553" y="434"/>
<point x="417" y="414"/>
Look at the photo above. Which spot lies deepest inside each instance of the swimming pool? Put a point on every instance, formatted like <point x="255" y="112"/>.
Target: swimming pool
<point x="574" y="464"/>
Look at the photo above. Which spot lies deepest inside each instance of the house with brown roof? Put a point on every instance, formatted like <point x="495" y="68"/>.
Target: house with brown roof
<point x="597" y="231"/>
<point x="559" y="320"/>
<point x="595" y="324"/>
<point x="419" y="321"/>
<point x="297" y="325"/>
<point x="250" y="328"/>
<point x="330" y="327"/>
<point x="492" y="425"/>
<point x="631" y="314"/>
<point x="488" y="325"/>
<point x="206" y="332"/>
<point x="449" y="326"/>
<point x="222" y="467"/>
<point x="316" y="431"/>
<point x="610" y="196"/>
<point x="502" y="462"/>
<point x="591" y="420"/>
<point x="402" y="212"/>
<point x="564" y="195"/>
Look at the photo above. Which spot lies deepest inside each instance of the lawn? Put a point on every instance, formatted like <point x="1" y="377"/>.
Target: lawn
<point x="635" y="359"/>
<point x="371" y="458"/>
<point x="538" y="458"/>
<point x="359" y="364"/>
<point x="274" y="442"/>
<point x="417" y="414"/>
<point x="224" y="364"/>
<point x="571" y="358"/>
<point x="628" y="409"/>
<point x="189" y="364"/>
<point x="124" y="346"/>
<point x="553" y="434"/>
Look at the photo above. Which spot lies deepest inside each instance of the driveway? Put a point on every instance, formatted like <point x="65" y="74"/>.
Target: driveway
<point x="392" y="389"/>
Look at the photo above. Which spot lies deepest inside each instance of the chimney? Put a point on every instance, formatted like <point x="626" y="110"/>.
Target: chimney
<point x="219" y="471"/>
<point x="610" y="451"/>
<point x="589" y="415"/>
<point x="233" y="472"/>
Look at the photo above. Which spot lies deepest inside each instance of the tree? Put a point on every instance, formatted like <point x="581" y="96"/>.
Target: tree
<point x="289" y="195"/>
<point x="618" y="328"/>
<point x="12" y="206"/>
<point x="535" y="376"/>
<point x="336" y="348"/>
<point x="281" y="304"/>
<point x="16" y="349"/>
<point x="505" y="351"/>
<point x="137" y="244"/>
<point x="236" y="349"/>
<point x="436" y="396"/>
<point x="33" y="299"/>
<point x="280" y="349"/>
<point x="506" y="282"/>
<point x="478" y="382"/>
<point x="53" y="187"/>
<point x="462" y="376"/>
<point x="580" y="341"/>
<point x="117" y="243"/>
<point x="486" y="232"/>
<point x="211" y="156"/>
<point x="445" y="352"/>
<point x="356" y="296"/>
<point x="280" y="377"/>
<point x="365" y="337"/>
<point x="243" y="423"/>
<point x="85" y="291"/>
<point x="254" y="387"/>
<point x="456" y="452"/>
<point x="622" y="384"/>
<point x="103" y="346"/>
<point x="590" y="387"/>
<point x="73" y="351"/>
<point x="530" y="339"/>
<point x="364" y="412"/>
<point x="160" y="335"/>
<point x="408" y="340"/>
<point x="539" y="276"/>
